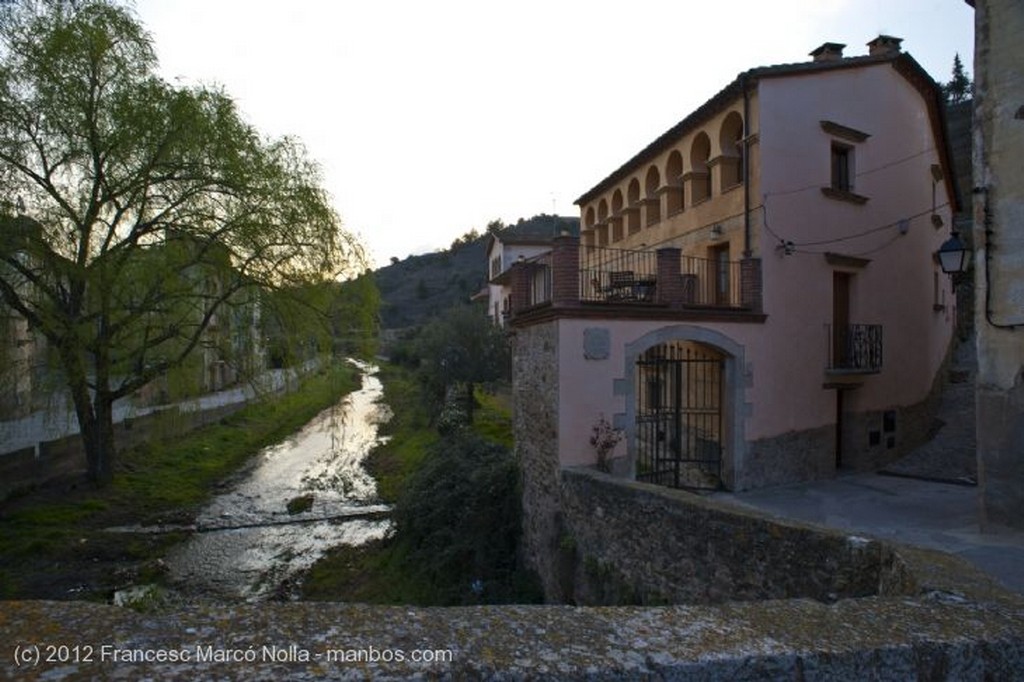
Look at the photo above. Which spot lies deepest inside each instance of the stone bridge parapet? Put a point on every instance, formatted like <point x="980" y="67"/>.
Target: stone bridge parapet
<point x="957" y="626"/>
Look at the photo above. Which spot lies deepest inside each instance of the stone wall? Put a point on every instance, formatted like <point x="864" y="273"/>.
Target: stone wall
<point x="871" y="441"/>
<point x="954" y="628"/>
<point x="899" y="430"/>
<point x="535" y="410"/>
<point x="999" y="258"/>
<point x="645" y="544"/>
<point x="789" y="458"/>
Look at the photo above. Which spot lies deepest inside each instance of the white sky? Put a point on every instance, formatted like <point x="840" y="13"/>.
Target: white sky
<point x="432" y="117"/>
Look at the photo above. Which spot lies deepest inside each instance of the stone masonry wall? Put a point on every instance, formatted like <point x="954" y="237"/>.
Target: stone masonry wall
<point x="998" y="136"/>
<point x="923" y="638"/>
<point x="535" y="400"/>
<point x="789" y="458"/>
<point x="640" y="543"/>
<point x="810" y="455"/>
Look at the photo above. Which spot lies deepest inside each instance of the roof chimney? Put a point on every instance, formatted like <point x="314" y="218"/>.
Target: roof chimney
<point x="884" y="45"/>
<point x="828" y="52"/>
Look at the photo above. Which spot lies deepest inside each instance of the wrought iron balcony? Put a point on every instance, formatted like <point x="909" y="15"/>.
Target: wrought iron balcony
<point x="576" y="276"/>
<point x="855" y="348"/>
<point x="617" y="275"/>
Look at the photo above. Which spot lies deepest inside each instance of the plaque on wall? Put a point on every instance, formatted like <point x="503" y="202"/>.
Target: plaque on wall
<point x="597" y="343"/>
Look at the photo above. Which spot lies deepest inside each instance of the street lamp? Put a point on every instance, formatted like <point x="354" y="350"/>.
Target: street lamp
<point x="953" y="255"/>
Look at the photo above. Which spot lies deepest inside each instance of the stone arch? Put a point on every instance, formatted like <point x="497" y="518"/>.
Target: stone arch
<point x="730" y="140"/>
<point x="633" y="192"/>
<point x="673" y="179"/>
<point x="673" y="167"/>
<point x="588" y="218"/>
<point x="633" y="204"/>
<point x="602" y="231"/>
<point x="733" y="392"/>
<point x="652" y="183"/>
<point x="616" y="215"/>
<point x="700" y="154"/>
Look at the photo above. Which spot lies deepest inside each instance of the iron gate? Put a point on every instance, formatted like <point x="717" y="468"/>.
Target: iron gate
<point x="679" y="416"/>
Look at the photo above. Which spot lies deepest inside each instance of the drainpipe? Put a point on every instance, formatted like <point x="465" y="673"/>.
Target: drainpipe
<point x="989" y="233"/>
<point x="746" y="167"/>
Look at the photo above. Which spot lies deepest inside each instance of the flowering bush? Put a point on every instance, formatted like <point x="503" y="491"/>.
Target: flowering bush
<point x="604" y="437"/>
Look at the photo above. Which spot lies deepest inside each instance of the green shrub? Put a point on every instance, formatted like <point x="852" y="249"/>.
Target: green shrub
<point x="458" y="523"/>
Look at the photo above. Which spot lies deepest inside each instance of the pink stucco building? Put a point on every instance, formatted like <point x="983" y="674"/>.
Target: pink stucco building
<point x="754" y="298"/>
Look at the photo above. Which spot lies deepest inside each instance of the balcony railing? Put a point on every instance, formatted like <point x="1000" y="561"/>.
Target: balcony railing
<point x="711" y="282"/>
<point x="855" y="348"/>
<point x="620" y="276"/>
<point x="617" y="275"/>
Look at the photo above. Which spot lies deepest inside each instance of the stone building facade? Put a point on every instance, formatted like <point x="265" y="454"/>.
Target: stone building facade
<point x="999" y="257"/>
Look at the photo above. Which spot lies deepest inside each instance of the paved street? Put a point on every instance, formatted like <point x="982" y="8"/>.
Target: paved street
<point x="925" y="513"/>
<point x="921" y="500"/>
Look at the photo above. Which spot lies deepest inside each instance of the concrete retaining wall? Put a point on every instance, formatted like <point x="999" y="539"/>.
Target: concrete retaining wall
<point x="64" y="456"/>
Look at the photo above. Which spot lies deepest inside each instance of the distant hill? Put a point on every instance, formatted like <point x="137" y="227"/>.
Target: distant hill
<point x="542" y="225"/>
<point x="417" y="288"/>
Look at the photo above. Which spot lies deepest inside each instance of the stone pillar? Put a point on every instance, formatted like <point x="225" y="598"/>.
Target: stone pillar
<point x="695" y="186"/>
<point x="670" y="282"/>
<point x="751" y="285"/>
<point x="615" y="225"/>
<point x="633" y="219"/>
<point x="565" y="271"/>
<point x="652" y="210"/>
<point x="715" y="171"/>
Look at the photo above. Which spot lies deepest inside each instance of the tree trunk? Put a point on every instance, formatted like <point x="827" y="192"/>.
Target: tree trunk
<point x="98" y="441"/>
<point x="95" y="424"/>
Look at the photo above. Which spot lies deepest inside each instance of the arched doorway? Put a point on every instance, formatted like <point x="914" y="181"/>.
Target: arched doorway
<point x="680" y="430"/>
<point x="685" y="408"/>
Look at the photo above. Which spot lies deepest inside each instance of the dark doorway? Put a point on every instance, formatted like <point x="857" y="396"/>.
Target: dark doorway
<point x="679" y="419"/>
<point x="840" y="317"/>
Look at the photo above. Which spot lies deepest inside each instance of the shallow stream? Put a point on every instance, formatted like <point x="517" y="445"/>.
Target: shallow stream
<point x="248" y="545"/>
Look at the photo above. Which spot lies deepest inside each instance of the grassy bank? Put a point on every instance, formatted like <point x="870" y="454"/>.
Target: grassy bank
<point x="51" y="540"/>
<point x="390" y="571"/>
<point x="409" y="433"/>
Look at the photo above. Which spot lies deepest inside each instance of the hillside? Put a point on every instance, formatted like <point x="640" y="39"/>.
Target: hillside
<point x="417" y="288"/>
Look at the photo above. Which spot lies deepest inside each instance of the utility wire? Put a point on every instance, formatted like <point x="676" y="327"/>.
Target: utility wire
<point x="858" y="235"/>
<point x="857" y="175"/>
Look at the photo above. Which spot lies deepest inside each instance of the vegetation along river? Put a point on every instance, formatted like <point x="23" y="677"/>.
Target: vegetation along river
<point x="249" y="543"/>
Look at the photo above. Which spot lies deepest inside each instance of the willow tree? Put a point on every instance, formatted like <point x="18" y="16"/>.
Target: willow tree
<point x="133" y="212"/>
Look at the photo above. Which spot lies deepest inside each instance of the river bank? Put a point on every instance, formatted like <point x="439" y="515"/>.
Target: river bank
<point x="457" y="510"/>
<point x="53" y="543"/>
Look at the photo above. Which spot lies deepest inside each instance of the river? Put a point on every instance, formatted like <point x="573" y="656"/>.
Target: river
<point x="248" y="544"/>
